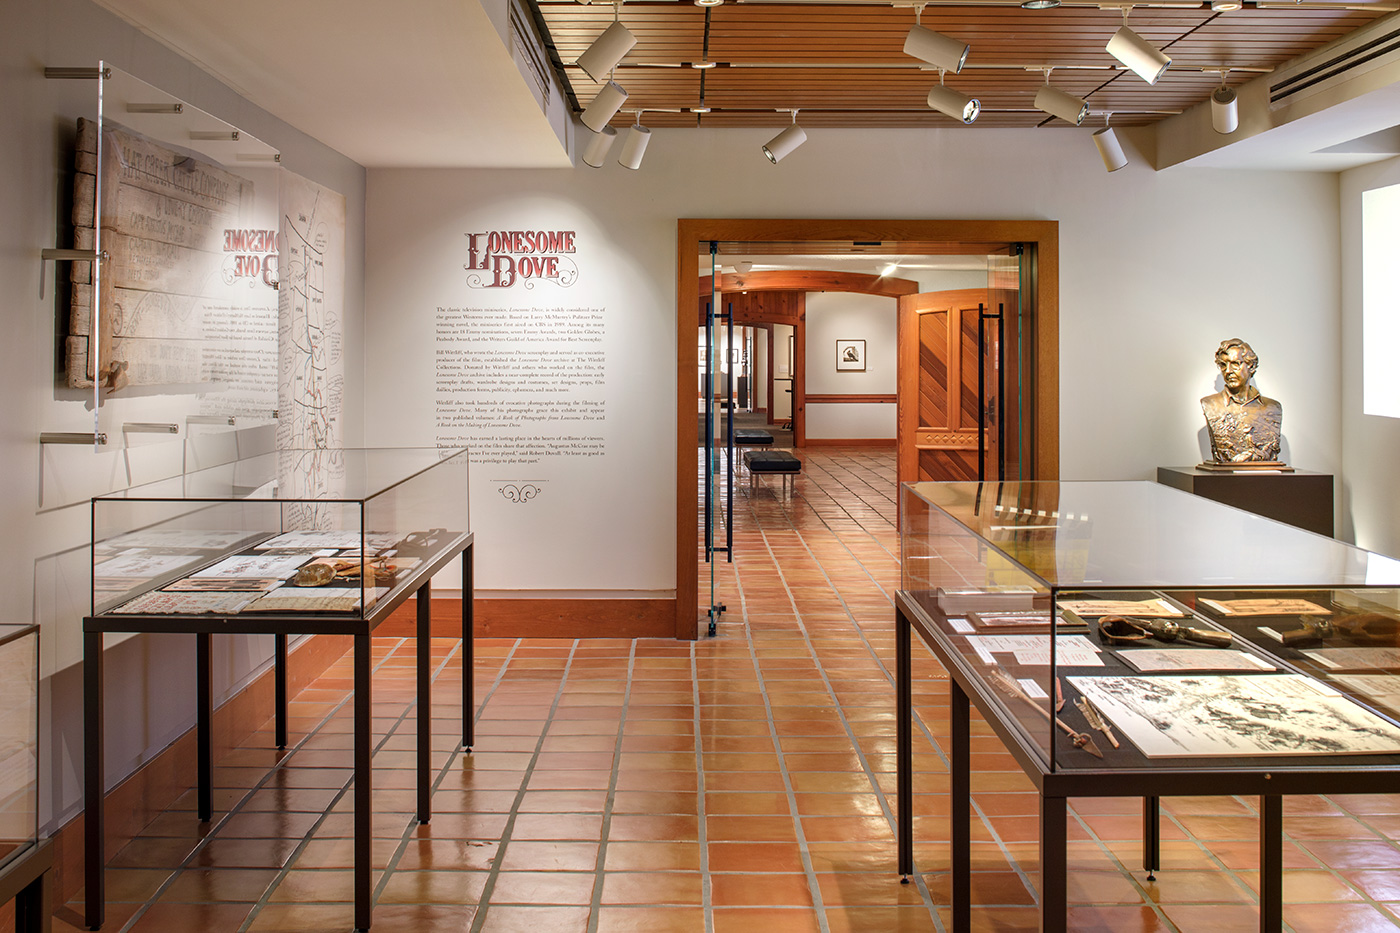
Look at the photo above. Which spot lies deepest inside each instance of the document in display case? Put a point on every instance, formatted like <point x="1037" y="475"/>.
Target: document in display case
<point x="1197" y="649"/>
<point x="326" y="541"/>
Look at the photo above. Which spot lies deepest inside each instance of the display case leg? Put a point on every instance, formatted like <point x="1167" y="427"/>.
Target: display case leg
<point x="903" y="744"/>
<point x="364" y="740"/>
<point x="1053" y="863"/>
<point x="468" y="648"/>
<point x="1151" y="836"/>
<point x="960" y="802"/>
<point x="425" y="700"/>
<point x="1270" y="863"/>
<point x="94" y="782"/>
<point x="279" y="681"/>
<point x="204" y="712"/>
<point x="34" y="905"/>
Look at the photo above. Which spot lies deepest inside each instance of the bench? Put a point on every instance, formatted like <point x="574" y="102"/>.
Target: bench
<point x="775" y="462"/>
<point x="753" y="439"/>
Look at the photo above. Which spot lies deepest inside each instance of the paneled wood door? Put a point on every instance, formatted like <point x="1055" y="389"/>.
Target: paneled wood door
<point x="939" y="375"/>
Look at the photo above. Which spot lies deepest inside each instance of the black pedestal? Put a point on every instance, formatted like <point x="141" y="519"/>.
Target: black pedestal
<point x="1301" y="498"/>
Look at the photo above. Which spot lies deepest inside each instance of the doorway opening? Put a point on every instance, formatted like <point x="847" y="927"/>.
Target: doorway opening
<point x="962" y="379"/>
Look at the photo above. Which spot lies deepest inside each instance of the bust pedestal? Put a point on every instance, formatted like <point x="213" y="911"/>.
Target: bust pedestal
<point x="1300" y="498"/>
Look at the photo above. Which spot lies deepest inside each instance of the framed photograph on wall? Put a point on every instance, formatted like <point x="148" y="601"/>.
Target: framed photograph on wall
<point x="850" y="356"/>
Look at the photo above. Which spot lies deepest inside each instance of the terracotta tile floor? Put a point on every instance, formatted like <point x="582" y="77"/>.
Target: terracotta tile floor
<point x="740" y="783"/>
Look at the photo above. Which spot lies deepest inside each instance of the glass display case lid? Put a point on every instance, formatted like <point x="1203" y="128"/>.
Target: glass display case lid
<point x="324" y="475"/>
<point x="1143" y="535"/>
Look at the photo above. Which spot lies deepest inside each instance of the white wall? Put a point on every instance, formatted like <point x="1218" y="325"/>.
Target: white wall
<point x="149" y="679"/>
<point x="760" y="368"/>
<point x="1144" y="301"/>
<point x="1370" y="443"/>
<point x="833" y="316"/>
<point x="782" y="366"/>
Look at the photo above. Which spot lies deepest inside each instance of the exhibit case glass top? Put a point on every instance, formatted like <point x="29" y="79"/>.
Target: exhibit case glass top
<point x="19" y="740"/>
<point x="1185" y="632"/>
<point x="289" y="532"/>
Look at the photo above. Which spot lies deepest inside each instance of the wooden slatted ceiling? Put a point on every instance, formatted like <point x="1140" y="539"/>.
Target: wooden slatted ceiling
<point x="761" y="50"/>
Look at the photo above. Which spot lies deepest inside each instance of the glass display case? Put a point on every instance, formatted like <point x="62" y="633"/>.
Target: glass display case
<point x="19" y="741"/>
<point x="288" y="542"/>
<point x="1129" y="639"/>
<point x="1183" y="629"/>
<point x="290" y="531"/>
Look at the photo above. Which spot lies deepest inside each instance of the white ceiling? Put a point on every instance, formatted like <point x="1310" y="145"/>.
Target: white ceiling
<point x="433" y="84"/>
<point x="427" y="83"/>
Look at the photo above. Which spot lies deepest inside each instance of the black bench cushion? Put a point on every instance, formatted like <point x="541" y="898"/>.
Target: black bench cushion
<point x="753" y="438"/>
<point x="772" y="461"/>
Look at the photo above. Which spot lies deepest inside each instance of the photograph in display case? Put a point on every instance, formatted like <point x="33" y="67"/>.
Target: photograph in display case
<point x="850" y="356"/>
<point x="1232" y="715"/>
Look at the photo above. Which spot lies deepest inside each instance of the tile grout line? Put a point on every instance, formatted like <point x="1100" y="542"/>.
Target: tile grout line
<point x="596" y="901"/>
<point x="921" y="886"/>
<point x="479" y="917"/>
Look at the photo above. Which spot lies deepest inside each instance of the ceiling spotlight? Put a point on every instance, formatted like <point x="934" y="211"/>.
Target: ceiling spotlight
<point x="596" y="152"/>
<point x="948" y="101"/>
<point x="603" y="107"/>
<point x="702" y="65"/>
<point x="1225" y="6"/>
<point x="1057" y="103"/>
<point x="1224" y="110"/>
<point x="743" y="267"/>
<point x="606" y="51"/>
<point x="635" y="145"/>
<point x="708" y="2"/>
<point x="1137" y="54"/>
<point x="1039" y="4"/>
<point x="934" y="47"/>
<point x="1109" y="149"/>
<point x="786" y="141"/>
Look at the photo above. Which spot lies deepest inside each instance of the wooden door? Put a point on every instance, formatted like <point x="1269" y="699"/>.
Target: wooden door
<point x="939" y="419"/>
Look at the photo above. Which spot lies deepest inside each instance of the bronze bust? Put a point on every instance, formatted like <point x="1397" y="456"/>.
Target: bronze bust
<point x="1245" y="427"/>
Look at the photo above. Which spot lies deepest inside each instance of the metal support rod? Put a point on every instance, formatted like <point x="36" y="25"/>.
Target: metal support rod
<point x="1001" y="392"/>
<point x="94" y="782"/>
<point x="731" y="396"/>
<point x="981" y="395"/>
<point x="1270" y="863"/>
<point x="279" y="682"/>
<point x="87" y="73"/>
<point x="209" y="419"/>
<point x="364" y="740"/>
<point x="204" y="714"/>
<point x="1053" y="864"/>
<point x="70" y="255"/>
<point x="72" y="437"/>
<point x="708" y="383"/>
<point x="468" y="648"/>
<point x="1151" y="836"/>
<point x="424" y="647"/>
<point x="960" y="801"/>
<point x="149" y="427"/>
<point x="904" y="754"/>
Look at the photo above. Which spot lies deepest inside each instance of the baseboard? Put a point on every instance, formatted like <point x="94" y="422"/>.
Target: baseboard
<point x="543" y="618"/>
<point x="156" y="785"/>
<point x="850" y="441"/>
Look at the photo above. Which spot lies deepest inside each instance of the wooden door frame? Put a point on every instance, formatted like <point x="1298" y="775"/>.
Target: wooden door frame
<point x="691" y="232"/>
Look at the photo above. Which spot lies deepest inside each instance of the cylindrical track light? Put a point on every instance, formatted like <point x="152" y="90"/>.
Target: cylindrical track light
<point x="958" y="106"/>
<point x="604" y="107"/>
<point x="634" y="146"/>
<point x="1138" y="54"/>
<point x="596" y="152"/>
<point x="1109" y="149"/>
<point x="1057" y="103"/>
<point x="786" y="141"/>
<point x="935" y="48"/>
<point x="606" y="51"/>
<point x="1224" y="110"/>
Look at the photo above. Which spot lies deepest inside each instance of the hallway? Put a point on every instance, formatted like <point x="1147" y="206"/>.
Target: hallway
<point x="739" y="783"/>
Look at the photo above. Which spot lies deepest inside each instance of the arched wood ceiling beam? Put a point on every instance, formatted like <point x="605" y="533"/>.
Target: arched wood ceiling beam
<point x="811" y="280"/>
